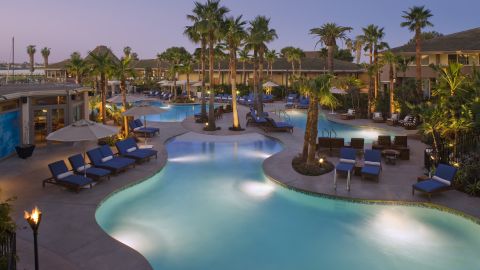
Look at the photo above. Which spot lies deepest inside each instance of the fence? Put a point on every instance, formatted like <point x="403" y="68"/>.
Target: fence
<point x="451" y="154"/>
<point x="8" y="251"/>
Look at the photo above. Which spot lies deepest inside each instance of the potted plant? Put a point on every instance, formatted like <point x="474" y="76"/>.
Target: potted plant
<point x="25" y="150"/>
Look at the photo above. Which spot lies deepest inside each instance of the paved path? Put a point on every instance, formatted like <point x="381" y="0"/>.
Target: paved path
<point x="70" y="238"/>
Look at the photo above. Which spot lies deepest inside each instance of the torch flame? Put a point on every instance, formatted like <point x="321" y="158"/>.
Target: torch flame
<point x="34" y="216"/>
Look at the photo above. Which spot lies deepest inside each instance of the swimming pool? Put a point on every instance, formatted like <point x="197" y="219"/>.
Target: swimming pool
<point x="175" y="113"/>
<point x="298" y="118"/>
<point x="212" y="208"/>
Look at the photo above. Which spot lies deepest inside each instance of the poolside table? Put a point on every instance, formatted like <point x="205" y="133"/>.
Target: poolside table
<point x="391" y="156"/>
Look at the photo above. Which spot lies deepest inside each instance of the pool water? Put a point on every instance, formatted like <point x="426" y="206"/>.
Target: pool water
<point x="212" y="208"/>
<point x="175" y="113"/>
<point x="298" y="118"/>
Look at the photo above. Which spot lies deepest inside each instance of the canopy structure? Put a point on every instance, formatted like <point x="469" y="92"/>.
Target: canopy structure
<point x="337" y="91"/>
<point x="118" y="99"/>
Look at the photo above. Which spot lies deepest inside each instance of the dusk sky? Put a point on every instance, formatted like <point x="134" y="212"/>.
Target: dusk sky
<point x="151" y="26"/>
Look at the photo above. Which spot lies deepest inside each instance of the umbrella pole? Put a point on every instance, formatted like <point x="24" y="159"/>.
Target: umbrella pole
<point x="84" y="160"/>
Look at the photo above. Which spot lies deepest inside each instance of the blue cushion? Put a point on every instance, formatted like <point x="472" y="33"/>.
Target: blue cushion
<point x="141" y="153"/>
<point x="446" y="172"/>
<point x="97" y="172"/>
<point x="95" y="156"/>
<point x="373" y="155"/>
<point x="344" y="167"/>
<point x="57" y="168"/>
<point x="372" y="170"/>
<point x="76" y="180"/>
<point x="76" y="161"/>
<point x="347" y="153"/>
<point x="429" y="185"/>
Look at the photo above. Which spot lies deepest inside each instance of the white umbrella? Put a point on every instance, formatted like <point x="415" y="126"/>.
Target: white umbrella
<point x="270" y="84"/>
<point x="118" y="99"/>
<point x="82" y="131"/>
<point x="338" y="91"/>
<point x="199" y="84"/>
<point x="143" y="110"/>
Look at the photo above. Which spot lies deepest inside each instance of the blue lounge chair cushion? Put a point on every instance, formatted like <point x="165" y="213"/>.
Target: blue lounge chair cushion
<point x="139" y="124"/>
<point x="429" y="185"/>
<point x="371" y="170"/>
<point x="107" y="151"/>
<point x="373" y="155"/>
<point x="78" y="180"/>
<point x="96" y="172"/>
<point x="446" y="172"/>
<point x="129" y="143"/>
<point x="59" y="167"/>
<point x="282" y="124"/>
<point x="344" y="167"/>
<point x="347" y="153"/>
<point x="77" y="161"/>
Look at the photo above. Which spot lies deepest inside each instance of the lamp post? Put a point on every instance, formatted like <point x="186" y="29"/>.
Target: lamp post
<point x="34" y="219"/>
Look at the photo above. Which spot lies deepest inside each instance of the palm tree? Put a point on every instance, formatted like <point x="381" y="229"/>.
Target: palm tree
<point x="391" y="60"/>
<point x="355" y="46"/>
<point x="122" y="71"/>
<point x="76" y="67"/>
<point x="235" y="34"/>
<point x="127" y="51"/>
<point x="220" y="56"/>
<point x="196" y="33"/>
<point x="31" y="50"/>
<point x="372" y="36"/>
<point x="174" y="56"/>
<point x="45" y="54"/>
<point x="271" y="56"/>
<point x="100" y="64"/>
<point x="209" y="17"/>
<point x="186" y="67"/>
<point x="328" y="35"/>
<point x="299" y="54"/>
<point x="289" y="55"/>
<point x="416" y="19"/>
<point x="260" y="34"/>
<point x="244" y="57"/>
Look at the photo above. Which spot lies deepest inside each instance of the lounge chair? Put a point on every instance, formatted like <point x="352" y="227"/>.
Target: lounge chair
<point x="81" y="168"/>
<point x="412" y="123"/>
<point x="272" y="125"/>
<point x="101" y="160"/>
<point x="378" y="117"/>
<point x="349" y="115"/>
<point x="138" y="129"/>
<point x="358" y="144"/>
<point x="253" y="119"/>
<point x="441" y="181"/>
<point x="303" y="104"/>
<point x="128" y="148"/>
<point x="290" y="102"/>
<point x="345" y="165"/>
<point x="383" y="142"/>
<point x="400" y="143"/>
<point x="63" y="177"/>
<point x="393" y="120"/>
<point x="373" y="164"/>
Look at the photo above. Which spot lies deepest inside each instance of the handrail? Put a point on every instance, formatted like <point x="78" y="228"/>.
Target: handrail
<point x="334" y="132"/>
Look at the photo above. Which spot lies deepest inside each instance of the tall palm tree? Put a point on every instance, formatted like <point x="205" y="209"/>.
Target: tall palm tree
<point x="220" y="56"/>
<point x="390" y="59"/>
<point x="416" y="19"/>
<point x="372" y="38"/>
<point x="100" y="64"/>
<point x="328" y="35"/>
<point x="127" y="51"/>
<point x="271" y="56"/>
<point x="31" y="50"/>
<point x="186" y="67"/>
<point x="174" y="56"/>
<point x="355" y="46"/>
<point x="45" y="54"/>
<point x="260" y="34"/>
<point x="235" y="34"/>
<point x="244" y="57"/>
<point x="123" y="71"/>
<point x="289" y="55"/>
<point x="76" y="67"/>
<point x="299" y="54"/>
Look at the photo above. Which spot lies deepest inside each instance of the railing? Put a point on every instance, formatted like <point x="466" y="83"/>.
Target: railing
<point x="449" y="153"/>
<point x="8" y="251"/>
<point x="329" y="132"/>
<point x="283" y="115"/>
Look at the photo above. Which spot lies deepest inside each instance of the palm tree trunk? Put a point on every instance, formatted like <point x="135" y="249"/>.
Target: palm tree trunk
<point x="330" y="58"/>
<point x="312" y="141"/>
<point x="244" y="78"/>
<point x="233" y="80"/>
<point x="375" y="83"/>
<point x="358" y="52"/>
<point x="123" y="89"/>
<point x="104" y="97"/>
<point x="202" y="60"/>
<point x="392" y="86"/>
<point x="300" y="67"/>
<point x="370" y="85"/>
<point x="293" y="67"/>
<point x="308" y="130"/>
<point x="255" y="79"/>
<point x="211" y="103"/>
<point x="418" y="60"/>
<point x="260" y="81"/>
<point x="188" y="85"/>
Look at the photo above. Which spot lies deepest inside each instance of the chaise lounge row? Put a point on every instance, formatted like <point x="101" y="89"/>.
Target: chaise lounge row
<point x="103" y="163"/>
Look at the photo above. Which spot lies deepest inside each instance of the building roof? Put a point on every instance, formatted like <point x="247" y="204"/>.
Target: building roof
<point x="11" y="91"/>
<point x="62" y="65"/>
<point x="466" y="41"/>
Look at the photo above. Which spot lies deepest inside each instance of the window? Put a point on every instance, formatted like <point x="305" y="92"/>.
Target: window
<point x="8" y="105"/>
<point x="452" y="58"/>
<point x="53" y="100"/>
<point x="458" y="58"/>
<point x="425" y="60"/>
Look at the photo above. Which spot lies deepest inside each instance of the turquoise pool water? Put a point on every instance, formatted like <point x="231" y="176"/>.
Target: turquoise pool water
<point x="212" y="208"/>
<point x="175" y="113"/>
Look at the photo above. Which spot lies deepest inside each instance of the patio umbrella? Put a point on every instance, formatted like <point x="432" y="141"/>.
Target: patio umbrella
<point x="270" y="84"/>
<point x="118" y="99"/>
<point x="82" y="131"/>
<point x="143" y="110"/>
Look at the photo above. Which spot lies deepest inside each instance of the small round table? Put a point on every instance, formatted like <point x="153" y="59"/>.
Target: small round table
<point x="391" y="156"/>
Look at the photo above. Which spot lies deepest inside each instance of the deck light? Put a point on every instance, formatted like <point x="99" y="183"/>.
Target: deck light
<point x="34" y="219"/>
<point x="321" y="160"/>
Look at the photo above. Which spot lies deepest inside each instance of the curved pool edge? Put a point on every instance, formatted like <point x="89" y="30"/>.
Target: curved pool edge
<point x="411" y="203"/>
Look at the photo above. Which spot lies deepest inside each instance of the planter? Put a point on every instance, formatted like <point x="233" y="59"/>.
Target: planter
<point x="25" y="150"/>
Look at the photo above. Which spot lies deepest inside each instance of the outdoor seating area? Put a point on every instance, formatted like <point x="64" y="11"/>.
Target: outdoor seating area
<point x="441" y="181"/>
<point x="103" y="164"/>
<point x="370" y="166"/>
<point x="137" y="127"/>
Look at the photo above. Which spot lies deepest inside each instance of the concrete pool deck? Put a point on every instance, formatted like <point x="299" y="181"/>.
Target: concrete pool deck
<point x="70" y="238"/>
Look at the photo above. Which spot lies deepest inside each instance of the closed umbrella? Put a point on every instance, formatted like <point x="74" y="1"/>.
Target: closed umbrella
<point x="82" y="131"/>
<point x="143" y="110"/>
